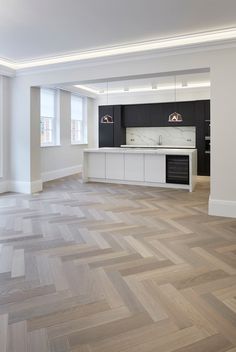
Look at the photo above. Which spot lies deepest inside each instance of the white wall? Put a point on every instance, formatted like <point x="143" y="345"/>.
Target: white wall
<point x="221" y="62"/>
<point x="66" y="159"/>
<point x="92" y="122"/>
<point x="35" y="165"/>
<point x="4" y="132"/>
<point x="20" y="136"/>
<point x="223" y="132"/>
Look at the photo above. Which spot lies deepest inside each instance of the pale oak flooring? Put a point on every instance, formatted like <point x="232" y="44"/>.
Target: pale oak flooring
<point x="115" y="268"/>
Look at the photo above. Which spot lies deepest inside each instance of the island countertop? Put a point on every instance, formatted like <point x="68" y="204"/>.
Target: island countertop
<point x="157" y="146"/>
<point x="167" y="151"/>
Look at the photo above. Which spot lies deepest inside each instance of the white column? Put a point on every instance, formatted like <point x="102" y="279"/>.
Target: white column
<point x="223" y="136"/>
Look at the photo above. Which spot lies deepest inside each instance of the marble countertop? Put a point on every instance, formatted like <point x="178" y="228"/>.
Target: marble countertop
<point x="157" y="146"/>
<point x="172" y="151"/>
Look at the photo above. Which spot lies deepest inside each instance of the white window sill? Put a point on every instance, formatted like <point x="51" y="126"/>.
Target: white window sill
<point x="79" y="144"/>
<point x="50" y="145"/>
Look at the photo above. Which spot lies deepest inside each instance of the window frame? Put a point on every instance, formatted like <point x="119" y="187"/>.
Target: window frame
<point x="55" y="121"/>
<point x="84" y="128"/>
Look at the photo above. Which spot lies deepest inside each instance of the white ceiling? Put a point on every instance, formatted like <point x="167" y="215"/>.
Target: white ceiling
<point x="31" y="29"/>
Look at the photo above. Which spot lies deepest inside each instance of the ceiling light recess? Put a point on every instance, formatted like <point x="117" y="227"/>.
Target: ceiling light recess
<point x="144" y="89"/>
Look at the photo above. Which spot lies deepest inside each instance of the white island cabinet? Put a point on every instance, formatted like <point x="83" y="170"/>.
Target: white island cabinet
<point x="155" y="168"/>
<point x="134" y="167"/>
<point x="114" y="166"/>
<point x="137" y="166"/>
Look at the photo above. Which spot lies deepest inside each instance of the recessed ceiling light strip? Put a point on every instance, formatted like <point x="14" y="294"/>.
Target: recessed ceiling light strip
<point x="145" y="89"/>
<point x="94" y="91"/>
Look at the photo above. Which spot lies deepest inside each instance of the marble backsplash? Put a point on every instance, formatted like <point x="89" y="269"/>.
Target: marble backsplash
<point x="172" y="136"/>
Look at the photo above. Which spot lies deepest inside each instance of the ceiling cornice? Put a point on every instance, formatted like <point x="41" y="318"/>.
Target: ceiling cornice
<point x="193" y="41"/>
<point x="6" y="71"/>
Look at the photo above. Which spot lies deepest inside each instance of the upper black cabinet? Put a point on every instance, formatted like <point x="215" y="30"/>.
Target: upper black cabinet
<point x="156" y="115"/>
<point x="137" y="115"/>
<point x="187" y="110"/>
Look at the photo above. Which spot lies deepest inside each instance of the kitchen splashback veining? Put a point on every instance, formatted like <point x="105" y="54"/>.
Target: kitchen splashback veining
<point x="172" y="136"/>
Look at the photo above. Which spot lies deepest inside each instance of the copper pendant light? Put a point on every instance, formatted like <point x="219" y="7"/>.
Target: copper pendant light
<point x="107" y="118"/>
<point x="175" y="116"/>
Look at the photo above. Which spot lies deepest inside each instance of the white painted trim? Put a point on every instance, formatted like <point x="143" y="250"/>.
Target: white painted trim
<point x="124" y="58"/>
<point x="55" y="174"/>
<point x="4" y="186"/>
<point x="36" y="186"/>
<point x="6" y="71"/>
<point x="220" y="207"/>
<point x="25" y="187"/>
<point x="19" y="186"/>
<point x="119" y="59"/>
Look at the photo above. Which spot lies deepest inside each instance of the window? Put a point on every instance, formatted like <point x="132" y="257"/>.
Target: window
<point x="48" y="117"/>
<point x="78" y="120"/>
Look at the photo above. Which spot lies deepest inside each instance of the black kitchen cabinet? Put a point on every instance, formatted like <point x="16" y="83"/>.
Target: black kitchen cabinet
<point x="143" y="115"/>
<point x="200" y="135"/>
<point x="207" y="110"/>
<point x="207" y="163"/>
<point x="106" y="135"/>
<point x="168" y="109"/>
<point x="106" y="130"/>
<point x="119" y="130"/>
<point x="207" y="137"/>
<point x="156" y="115"/>
<point x="137" y="115"/>
<point x="207" y="128"/>
<point x="111" y="134"/>
<point x="187" y="110"/>
<point x="202" y="113"/>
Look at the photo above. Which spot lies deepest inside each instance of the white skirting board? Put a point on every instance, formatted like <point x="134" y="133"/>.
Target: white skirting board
<point x="25" y="187"/>
<point x="21" y="186"/>
<point x="55" y="174"/>
<point x="37" y="186"/>
<point x="4" y="185"/>
<point x="220" y="207"/>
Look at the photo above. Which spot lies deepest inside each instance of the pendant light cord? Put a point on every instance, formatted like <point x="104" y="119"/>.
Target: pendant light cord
<point x="107" y="92"/>
<point x="175" y="93"/>
<point x="175" y="89"/>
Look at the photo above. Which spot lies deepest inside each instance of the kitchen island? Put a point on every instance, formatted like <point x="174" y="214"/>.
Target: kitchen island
<point x="172" y="168"/>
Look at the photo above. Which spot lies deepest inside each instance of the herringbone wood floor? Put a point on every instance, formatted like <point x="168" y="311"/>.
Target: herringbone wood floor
<point x="113" y="268"/>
